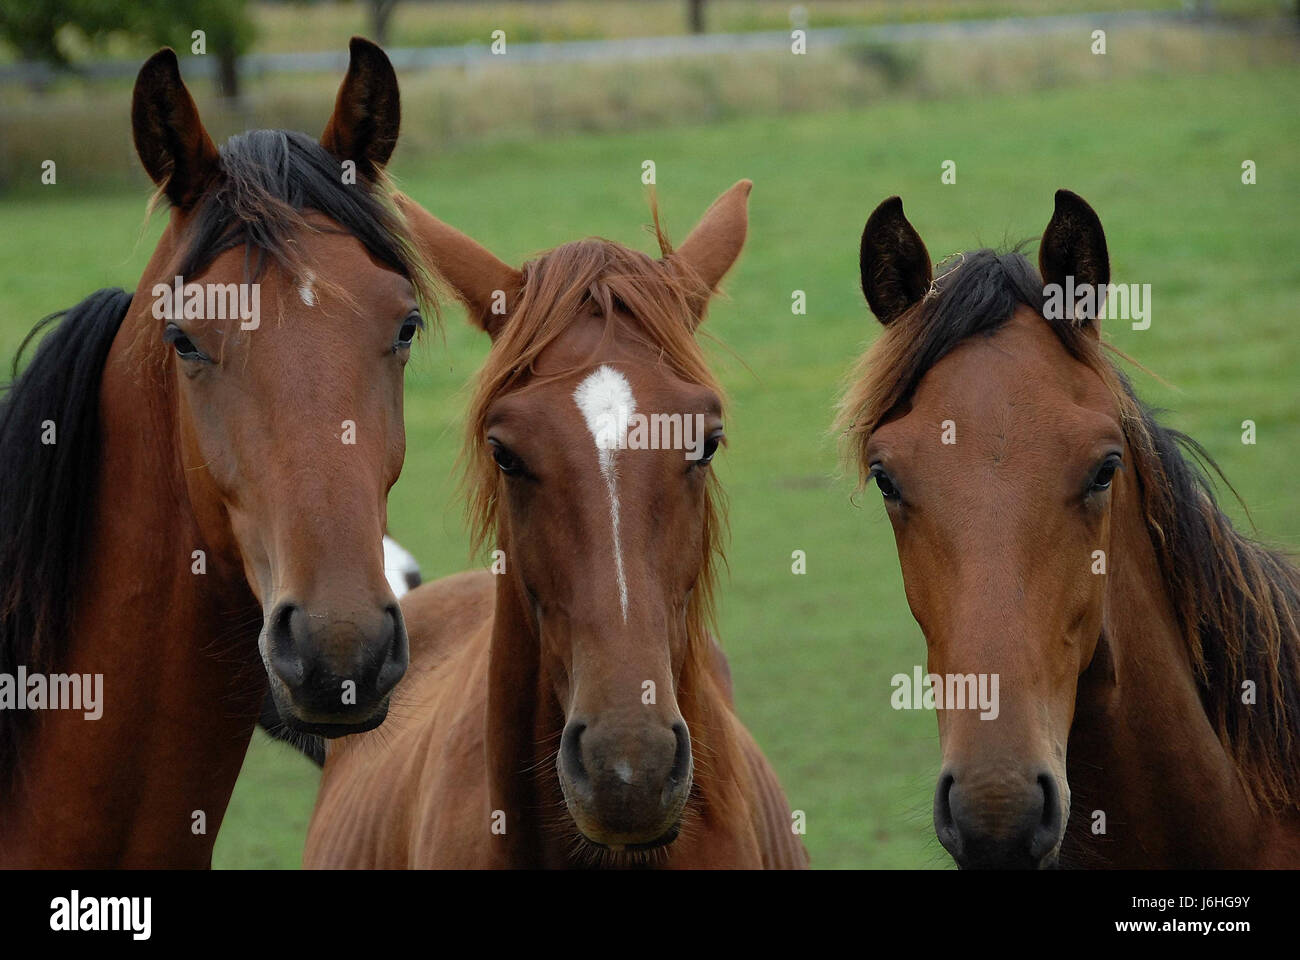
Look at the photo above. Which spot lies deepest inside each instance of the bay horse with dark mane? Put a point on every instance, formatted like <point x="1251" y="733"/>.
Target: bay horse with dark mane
<point x="193" y="499"/>
<point x="572" y="710"/>
<point x="1052" y="533"/>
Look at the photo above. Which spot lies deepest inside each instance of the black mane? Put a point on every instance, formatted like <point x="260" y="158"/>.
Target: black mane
<point x="269" y="178"/>
<point x="47" y="489"/>
<point x="976" y="294"/>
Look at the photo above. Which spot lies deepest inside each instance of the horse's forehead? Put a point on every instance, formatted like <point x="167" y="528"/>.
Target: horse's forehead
<point x="331" y="258"/>
<point x="580" y="343"/>
<point x="1021" y="373"/>
<point x="585" y="347"/>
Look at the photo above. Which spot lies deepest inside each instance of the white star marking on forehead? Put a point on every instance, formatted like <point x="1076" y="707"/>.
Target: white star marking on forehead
<point x="606" y="402"/>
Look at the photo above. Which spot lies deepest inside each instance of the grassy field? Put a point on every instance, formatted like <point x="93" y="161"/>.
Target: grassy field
<point x="1159" y="158"/>
<point x="86" y="127"/>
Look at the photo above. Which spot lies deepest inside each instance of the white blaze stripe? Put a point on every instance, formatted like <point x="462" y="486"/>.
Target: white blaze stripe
<point x="305" y="291"/>
<point x="606" y="402"/>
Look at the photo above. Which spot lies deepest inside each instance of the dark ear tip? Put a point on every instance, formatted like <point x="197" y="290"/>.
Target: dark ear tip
<point x="888" y="210"/>
<point x="359" y="48"/>
<point x="1069" y="200"/>
<point x="163" y="61"/>
<point x="891" y="205"/>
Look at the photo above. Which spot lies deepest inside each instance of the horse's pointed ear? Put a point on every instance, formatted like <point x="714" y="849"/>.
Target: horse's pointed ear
<point x="367" y="111"/>
<point x="1074" y="246"/>
<point x="711" y="249"/>
<point x="893" y="262"/>
<point x="176" y="151"/>
<point x="488" y="287"/>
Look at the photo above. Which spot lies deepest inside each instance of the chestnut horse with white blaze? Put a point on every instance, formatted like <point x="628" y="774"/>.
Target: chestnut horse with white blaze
<point x="573" y="710"/>
<point x="1052" y="533"/>
<point x="209" y="507"/>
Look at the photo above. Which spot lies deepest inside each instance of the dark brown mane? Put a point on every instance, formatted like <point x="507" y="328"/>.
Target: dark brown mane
<point x="1238" y="603"/>
<point x="269" y="179"/>
<point x="47" y="492"/>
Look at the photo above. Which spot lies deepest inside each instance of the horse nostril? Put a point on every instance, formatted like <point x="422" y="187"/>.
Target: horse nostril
<point x="393" y="627"/>
<point x="681" y="767"/>
<point x="999" y="824"/>
<point x="571" y="753"/>
<point x="282" y="651"/>
<point x="394" y="655"/>
<point x="1048" y="830"/>
<point x="944" y="825"/>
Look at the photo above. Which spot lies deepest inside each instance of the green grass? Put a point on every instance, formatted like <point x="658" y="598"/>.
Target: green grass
<point x="86" y="128"/>
<point x="812" y="656"/>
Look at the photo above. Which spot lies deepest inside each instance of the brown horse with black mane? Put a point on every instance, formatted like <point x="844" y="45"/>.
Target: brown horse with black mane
<point x="573" y="710"/>
<point x="1052" y="533"/>
<point x="193" y="495"/>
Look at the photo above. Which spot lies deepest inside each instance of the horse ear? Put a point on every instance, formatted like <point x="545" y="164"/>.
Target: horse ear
<point x="367" y="111"/>
<point x="176" y="151"/>
<point x="1074" y="246"/>
<point x="893" y="262"/>
<point x="711" y="249"/>
<point x="487" y="286"/>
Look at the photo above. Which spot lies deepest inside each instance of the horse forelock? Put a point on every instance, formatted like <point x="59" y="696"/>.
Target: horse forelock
<point x="270" y="182"/>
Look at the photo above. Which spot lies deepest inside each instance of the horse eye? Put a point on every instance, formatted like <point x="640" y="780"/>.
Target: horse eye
<point x="1105" y="473"/>
<point x="886" y="485"/>
<point x="410" y="327"/>
<point x="508" y="463"/>
<point x="182" y="344"/>
<point x="710" y="448"/>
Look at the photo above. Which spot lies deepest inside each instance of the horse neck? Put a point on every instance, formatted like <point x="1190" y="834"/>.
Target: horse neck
<point x="1142" y="750"/>
<point x="182" y="679"/>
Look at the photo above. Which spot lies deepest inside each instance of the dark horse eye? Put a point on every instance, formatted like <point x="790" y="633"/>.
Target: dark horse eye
<point x="710" y="448"/>
<point x="505" y="460"/>
<point x="886" y="485"/>
<point x="410" y="327"/>
<point x="1106" y="472"/>
<point x="183" y="345"/>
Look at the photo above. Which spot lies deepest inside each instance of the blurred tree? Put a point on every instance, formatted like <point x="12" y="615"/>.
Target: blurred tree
<point x="34" y="28"/>
<point x="381" y="12"/>
<point x="226" y="25"/>
<point x="695" y="15"/>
